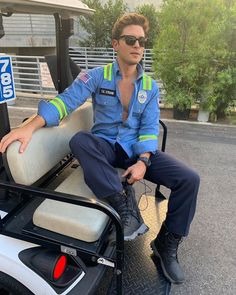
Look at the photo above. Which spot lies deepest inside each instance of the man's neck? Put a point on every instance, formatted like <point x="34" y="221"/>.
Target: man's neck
<point x="127" y="71"/>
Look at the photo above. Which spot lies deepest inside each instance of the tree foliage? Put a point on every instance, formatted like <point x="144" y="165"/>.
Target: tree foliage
<point x="150" y="12"/>
<point x="195" y="52"/>
<point x="98" y="26"/>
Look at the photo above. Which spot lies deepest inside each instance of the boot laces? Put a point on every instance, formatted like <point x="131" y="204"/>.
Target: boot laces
<point x="130" y="201"/>
<point x="124" y="211"/>
<point x="172" y="245"/>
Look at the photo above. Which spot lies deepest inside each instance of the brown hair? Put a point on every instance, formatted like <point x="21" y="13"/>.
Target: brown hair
<point x="129" y="19"/>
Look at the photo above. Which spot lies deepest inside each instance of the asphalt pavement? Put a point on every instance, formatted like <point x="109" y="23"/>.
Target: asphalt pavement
<point x="208" y="255"/>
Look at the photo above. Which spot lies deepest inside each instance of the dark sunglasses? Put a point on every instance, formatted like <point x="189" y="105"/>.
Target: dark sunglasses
<point x="131" y="40"/>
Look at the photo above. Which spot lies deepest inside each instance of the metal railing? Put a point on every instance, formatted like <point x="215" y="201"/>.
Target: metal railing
<point x="30" y="77"/>
<point x="88" y="58"/>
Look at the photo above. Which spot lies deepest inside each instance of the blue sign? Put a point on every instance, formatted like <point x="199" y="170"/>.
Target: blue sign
<point x="7" y="89"/>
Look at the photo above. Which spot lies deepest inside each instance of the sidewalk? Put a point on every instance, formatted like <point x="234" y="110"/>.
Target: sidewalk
<point x="28" y="104"/>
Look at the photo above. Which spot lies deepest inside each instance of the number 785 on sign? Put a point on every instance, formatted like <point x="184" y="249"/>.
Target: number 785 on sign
<point x="7" y="89"/>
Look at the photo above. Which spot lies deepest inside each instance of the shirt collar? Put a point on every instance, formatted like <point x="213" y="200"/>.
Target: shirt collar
<point x="116" y="69"/>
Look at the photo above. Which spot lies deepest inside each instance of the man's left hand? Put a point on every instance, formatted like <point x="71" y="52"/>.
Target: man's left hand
<point x="136" y="172"/>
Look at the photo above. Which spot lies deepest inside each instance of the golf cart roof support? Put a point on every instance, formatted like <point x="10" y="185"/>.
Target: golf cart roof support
<point x="64" y="29"/>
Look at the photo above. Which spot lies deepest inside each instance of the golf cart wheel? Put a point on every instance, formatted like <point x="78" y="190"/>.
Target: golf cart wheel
<point x="10" y="286"/>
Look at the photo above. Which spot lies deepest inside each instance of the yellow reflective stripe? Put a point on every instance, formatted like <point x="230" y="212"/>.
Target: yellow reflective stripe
<point x="147" y="82"/>
<point x="147" y="137"/>
<point x="108" y="72"/>
<point x="144" y="82"/>
<point x="105" y="72"/>
<point x="62" y="104"/>
<point x="58" y="108"/>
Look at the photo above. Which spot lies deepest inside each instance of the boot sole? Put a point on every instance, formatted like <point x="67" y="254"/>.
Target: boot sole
<point x="154" y="249"/>
<point x="140" y="231"/>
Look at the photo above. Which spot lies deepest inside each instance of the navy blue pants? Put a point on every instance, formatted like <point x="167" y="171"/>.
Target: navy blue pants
<point x="98" y="158"/>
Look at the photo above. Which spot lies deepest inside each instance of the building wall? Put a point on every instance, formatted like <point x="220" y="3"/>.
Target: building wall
<point x="24" y="31"/>
<point x="35" y="34"/>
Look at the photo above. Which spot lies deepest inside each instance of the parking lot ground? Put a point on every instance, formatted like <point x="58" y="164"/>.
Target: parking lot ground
<point x="208" y="255"/>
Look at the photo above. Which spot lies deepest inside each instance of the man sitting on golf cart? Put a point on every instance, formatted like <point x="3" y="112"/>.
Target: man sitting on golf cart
<point x="125" y="135"/>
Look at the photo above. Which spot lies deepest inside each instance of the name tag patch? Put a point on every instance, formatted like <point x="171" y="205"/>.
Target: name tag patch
<point x="109" y="92"/>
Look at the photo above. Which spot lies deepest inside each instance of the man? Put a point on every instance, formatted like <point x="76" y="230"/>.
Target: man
<point x="124" y="134"/>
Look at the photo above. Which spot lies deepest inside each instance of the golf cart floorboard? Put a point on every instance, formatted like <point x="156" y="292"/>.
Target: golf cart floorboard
<point x="142" y="272"/>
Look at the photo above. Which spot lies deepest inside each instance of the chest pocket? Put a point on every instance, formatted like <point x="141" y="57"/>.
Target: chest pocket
<point x="106" y="100"/>
<point x="138" y="110"/>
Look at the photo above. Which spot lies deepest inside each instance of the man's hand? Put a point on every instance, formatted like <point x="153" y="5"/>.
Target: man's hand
<point x="136" y="172"/>
<point x="22" y="134"/>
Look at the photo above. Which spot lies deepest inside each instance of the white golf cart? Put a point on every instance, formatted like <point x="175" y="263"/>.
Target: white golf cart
<point x="55" y="237"/>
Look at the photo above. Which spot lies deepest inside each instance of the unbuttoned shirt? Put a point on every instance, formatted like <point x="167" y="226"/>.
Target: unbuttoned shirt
<point x="137" y="134"/>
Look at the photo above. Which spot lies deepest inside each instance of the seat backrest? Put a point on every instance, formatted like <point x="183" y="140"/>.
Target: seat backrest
<point x="47" y="147"/>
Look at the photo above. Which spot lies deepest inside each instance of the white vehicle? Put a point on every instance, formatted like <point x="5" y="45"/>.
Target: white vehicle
<point x="55" y="237"/>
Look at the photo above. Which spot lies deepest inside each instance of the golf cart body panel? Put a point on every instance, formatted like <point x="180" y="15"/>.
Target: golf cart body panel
<point x="13" y="266"/>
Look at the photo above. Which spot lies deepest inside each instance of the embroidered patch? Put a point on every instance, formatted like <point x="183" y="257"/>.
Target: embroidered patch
<point x="142" y="96"/>
<point x="85" y="77"/>
<point x="109" y="92"/>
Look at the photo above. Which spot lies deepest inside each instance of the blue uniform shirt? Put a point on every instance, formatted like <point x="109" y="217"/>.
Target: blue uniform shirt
<point x="137" y="134"/>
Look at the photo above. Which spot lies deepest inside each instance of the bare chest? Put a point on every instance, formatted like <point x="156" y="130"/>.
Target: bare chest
<point x="126" y="89"/>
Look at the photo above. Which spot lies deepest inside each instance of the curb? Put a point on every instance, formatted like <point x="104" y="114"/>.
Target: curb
<point x="198" y="123"/>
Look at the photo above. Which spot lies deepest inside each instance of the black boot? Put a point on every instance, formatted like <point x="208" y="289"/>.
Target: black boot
<point x="165" y="247"/>
<point x="132" y="225"/>
<point x="137" y="220"/>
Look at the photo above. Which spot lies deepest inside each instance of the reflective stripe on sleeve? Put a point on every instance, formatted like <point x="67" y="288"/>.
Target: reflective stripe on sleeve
<point x="147" y="137"/>
<point x="60" y="105"/>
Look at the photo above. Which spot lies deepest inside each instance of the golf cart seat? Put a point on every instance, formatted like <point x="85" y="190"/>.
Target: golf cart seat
<point x="48" y="147"/>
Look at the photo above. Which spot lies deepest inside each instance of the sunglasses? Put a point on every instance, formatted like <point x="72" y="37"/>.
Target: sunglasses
<point x="131" y="40"/>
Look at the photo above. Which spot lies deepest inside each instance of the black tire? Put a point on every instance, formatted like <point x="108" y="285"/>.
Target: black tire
<point x="10" y="286"/>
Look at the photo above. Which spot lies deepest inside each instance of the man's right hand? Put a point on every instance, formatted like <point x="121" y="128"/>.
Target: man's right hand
<point x="22" y="134"/>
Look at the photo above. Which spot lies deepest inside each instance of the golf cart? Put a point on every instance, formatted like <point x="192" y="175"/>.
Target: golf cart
<point x="55" y="236"/>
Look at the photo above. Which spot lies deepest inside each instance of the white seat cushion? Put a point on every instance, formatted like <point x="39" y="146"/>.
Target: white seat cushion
<point x="79" y="222"/>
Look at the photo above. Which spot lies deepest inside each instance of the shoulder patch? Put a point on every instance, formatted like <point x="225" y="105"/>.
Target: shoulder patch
<point x="85" y="77"/>
<point x="142" y="96"/>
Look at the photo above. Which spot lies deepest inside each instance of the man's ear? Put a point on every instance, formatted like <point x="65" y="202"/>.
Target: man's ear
<point x="115" y="44"/>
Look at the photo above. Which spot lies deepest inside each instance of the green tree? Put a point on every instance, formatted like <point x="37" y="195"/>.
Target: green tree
<point x="150" y="12"/>
<point x="113" y="12"/>
<point x="194" y="52"/>
<point x="93" y="25"/>
<point x="98" y="26"/>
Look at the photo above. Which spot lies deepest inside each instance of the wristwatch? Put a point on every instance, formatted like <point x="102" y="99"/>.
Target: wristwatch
<point x="145" y="160"/>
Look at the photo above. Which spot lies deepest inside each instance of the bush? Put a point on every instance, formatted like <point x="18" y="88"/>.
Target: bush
<point x="194" y="54"/>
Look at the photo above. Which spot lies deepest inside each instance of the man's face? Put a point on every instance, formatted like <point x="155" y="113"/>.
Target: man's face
<point x="128" y="49"/>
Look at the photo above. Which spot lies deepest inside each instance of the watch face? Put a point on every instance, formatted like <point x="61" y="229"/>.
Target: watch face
<point x="145" y="160"/>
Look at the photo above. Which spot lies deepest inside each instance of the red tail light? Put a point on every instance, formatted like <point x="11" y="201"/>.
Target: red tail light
<point x="59" y="267"/>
